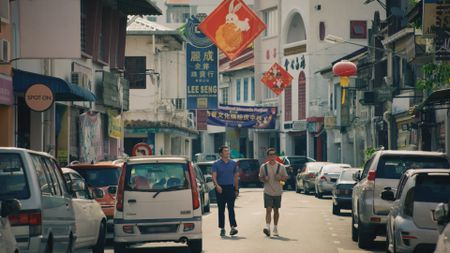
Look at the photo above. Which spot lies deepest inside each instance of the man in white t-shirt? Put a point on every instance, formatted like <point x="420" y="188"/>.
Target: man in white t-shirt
<point x="273" y="174"/>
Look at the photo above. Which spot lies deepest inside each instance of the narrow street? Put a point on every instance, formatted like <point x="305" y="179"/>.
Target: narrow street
<point x="306" y="225"/>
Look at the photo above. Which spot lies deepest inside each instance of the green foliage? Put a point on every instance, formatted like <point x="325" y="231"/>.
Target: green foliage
<point x="369" y="152"/>
<point x="435" y="76"/>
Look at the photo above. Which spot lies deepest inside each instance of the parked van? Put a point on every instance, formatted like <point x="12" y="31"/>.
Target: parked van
<point x="157" y="200"/>
<point x="46" y="221"/>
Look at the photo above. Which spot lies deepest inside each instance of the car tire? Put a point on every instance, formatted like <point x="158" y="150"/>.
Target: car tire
<point x="354" y="230"/>
<point x="196" y="246"/>
<point x="101" y="240"/>
<point x="336" y="209"/>
<point x="119" y="248"/>
<point x="319" y="194"/>
<point x="364" y="236"/>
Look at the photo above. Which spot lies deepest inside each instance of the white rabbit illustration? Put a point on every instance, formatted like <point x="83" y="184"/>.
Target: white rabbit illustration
<point x="231" y="17"/>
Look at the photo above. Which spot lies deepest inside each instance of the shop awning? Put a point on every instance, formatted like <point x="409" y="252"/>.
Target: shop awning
<point x="139" y="7"/>
<point x="439" y="99"/>
<point x="62" y="90"/>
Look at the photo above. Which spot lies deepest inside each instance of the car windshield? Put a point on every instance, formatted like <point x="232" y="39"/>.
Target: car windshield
<point x="392" y="167"/>
<point x="432" y="188"/>
<point x="314" y="167"/>
<point x="100" y="177"/>
<point x="297" y="160"/>
<point x="13" y="183"/>
<point x="157" y="176"/>
<point x="206" y="168"/>
<point x="347" y="175"/>
<point x="247" y="165"/>
<point x="332" y="169"/>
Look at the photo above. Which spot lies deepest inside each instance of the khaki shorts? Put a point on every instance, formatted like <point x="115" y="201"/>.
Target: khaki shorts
<point x="272" y="201"/>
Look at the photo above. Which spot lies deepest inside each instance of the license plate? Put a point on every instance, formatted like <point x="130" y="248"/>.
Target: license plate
<point x="173" y="228"/>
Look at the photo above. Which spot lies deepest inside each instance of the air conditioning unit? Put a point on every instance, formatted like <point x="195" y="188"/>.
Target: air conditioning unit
<point x="368" y="98"/>
<point x="81" y="79"/>
<point x="4" y="51"/>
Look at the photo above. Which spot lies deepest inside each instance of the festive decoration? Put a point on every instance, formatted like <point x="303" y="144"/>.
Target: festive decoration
<point x="344" y="69"/>
<point x="277" y="79"/>
<point x="232" y="26"/>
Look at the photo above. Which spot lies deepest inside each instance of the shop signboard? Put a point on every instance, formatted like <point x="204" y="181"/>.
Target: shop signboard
<point x="243" y="117"/>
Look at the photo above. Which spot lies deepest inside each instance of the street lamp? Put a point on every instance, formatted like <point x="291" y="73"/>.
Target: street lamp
<point x="333" y="39"/>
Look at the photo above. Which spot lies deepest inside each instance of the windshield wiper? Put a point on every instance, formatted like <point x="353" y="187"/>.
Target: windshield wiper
<point x="176" y="187"/>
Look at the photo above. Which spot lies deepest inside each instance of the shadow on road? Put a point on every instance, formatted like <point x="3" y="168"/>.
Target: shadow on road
<point x="282" y="238"/>
<point x="233" y="238"/>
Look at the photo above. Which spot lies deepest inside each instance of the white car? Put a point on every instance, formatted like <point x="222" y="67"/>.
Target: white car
<point x="327" y="177"/>
<point x="8" y="243"/>
<point x="157" y="201"/>
<point x="442" y="216"/>
<point x="90" y="221"/>
<point x="411" y="224"/>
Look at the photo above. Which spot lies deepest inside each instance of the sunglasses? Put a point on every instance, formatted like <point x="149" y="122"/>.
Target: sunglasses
<point x="272" y="154"/>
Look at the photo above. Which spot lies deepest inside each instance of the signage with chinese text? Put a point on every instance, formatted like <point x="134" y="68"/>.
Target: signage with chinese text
<point x="6" y="91"/>
<point x="277" y="79"/>
<point x="243" y="117"/>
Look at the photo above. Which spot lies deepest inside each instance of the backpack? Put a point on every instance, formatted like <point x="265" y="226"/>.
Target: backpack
<point x="267" y="172"/>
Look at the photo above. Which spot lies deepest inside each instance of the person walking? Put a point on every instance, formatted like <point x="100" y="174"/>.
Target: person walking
<point x="273" y="174"/>
<point x="225" y="175"/>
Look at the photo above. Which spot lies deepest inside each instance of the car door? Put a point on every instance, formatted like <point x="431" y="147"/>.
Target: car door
<point x="357" y="189"/>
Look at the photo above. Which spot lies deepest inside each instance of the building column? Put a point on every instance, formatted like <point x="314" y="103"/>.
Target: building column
<point x="7" y="126"/>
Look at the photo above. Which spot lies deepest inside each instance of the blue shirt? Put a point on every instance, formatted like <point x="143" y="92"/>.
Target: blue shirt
<point x="225" y="171"/>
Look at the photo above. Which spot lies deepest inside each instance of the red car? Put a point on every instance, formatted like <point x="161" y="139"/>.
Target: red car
<point x="249" y="170"/>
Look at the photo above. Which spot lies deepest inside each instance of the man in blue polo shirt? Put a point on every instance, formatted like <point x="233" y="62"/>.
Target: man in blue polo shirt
<point x="225" y="176"/>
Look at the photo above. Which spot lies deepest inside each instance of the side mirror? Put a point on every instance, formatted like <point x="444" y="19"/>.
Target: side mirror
<point x="77" y="186"/>
<point x="208" y="179"/>
<point x="388" y="194"/>
<point x="10" y="207"/>
<point x="98" y="193"/>
<point x="356" y="176"/>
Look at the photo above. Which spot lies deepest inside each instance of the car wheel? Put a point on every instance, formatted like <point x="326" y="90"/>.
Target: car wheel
<point x="336" y="209"/>
<point x="119" y="248"/>
<point x="364" y="236"/>
<point x="354" y="230"/>
<point x="101" y="240"/>
<point x="319" y="194"/>
<point x="196" y="246"/>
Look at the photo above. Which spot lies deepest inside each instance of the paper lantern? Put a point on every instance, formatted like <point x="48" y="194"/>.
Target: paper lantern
<point x="344" y="69"/>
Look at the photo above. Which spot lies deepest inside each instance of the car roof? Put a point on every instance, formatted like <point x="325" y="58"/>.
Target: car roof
<point x="410" y="152"/>
<point x="412" y="172"/>
<point x="99" y="165"/>
<point x="66" y="170"/>
<point x="144" y="159"/>
<point x="206" y="163"/>
<point x="337" y="165"/>
<point x="23" y="150"/>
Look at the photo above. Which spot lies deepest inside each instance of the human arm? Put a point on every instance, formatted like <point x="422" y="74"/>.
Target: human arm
<point x="214" y="178"/>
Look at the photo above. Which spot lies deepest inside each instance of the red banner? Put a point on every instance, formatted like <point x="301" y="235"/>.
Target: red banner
<point x="277" y="79"/>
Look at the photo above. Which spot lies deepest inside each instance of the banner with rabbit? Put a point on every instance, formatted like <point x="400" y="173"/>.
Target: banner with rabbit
<point x="277" y="79"/>
<point x="232" y="26"/>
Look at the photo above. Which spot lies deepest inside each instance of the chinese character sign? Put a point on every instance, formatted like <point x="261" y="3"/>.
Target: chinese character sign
<point x="243" y="117"/>
<point x="232" y="26"/>
<point x="277" y="79"/>
<point x="201" y="75"/>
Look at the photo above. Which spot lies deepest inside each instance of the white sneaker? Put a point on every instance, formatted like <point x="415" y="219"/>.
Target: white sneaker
<point x="275" y="232"/>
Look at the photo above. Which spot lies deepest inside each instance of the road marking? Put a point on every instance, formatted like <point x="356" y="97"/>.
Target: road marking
<point x="328" y="223"/>
<point x="334" y="235"/>
<point x="330" y="228"/>
<point x="337" y="242"/>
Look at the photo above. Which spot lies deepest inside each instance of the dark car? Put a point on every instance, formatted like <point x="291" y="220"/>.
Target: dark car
<point x="249" y="170"/>
<point x="205" y="167"/>
<point x="293" y="165"/>
<point x="204" y="189"/>
<point x="342" y="192"/>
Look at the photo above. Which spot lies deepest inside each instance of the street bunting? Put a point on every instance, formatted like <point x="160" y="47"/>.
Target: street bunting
<point x="243" y="117"/>
<point x="232" y="26"/>
<point x="277" y="79"/>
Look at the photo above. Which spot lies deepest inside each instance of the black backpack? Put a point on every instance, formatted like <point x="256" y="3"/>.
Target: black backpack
<point x="267" y="172"/>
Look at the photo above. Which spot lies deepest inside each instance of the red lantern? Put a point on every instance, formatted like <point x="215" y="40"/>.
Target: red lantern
<point x="344" y="69"/>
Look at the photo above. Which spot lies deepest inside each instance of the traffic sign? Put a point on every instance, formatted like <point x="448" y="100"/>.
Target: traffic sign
<point x="141" y="149"/>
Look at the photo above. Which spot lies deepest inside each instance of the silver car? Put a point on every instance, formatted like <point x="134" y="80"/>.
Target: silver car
<point x="383" y="169"/>
<point x="442" y="215"/>
<point x="307" y="176"/>
<point x="327" y="177"/>
<point x="411" y="226"/>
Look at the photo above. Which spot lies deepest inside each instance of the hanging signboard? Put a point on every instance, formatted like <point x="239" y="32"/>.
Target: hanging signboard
<point x="277" y="79"/>
<point x="243" y="117"/>
<point x="232" y="26"/>
<point x="39" y="97"/>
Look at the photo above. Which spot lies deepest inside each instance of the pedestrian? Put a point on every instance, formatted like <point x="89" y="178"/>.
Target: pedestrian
<point x="273" y="174"/>
<point x="225" y="176"/>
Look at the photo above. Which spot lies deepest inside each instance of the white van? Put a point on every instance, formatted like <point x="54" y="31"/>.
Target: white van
<point x="157" y="201"/>
<point x="46" y="220"/>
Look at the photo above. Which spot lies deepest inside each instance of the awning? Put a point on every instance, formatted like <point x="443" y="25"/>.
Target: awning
<point x="139" y="7"/>
<point x="439" y="99"/>
<point x="62" y="90"/>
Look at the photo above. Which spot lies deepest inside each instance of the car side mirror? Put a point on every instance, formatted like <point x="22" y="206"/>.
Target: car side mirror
<point x="387" y="194"/>
<point x="356" y="176"/>
<point x="98" y="193"/>
<point x="208" y="179"/>
<point x="10" y="207"/>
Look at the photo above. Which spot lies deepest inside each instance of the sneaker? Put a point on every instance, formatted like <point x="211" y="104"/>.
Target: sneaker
<point x="233" y="231"/>
<point x="222" y="232"/>
<point x="275" y="232"/>
<point x="266" y="231"/>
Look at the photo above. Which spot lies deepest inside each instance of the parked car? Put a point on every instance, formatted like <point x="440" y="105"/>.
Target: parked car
<point x="8" y="242"/>
<point x="102" y="179"/>
<point x="46" y="221"/>
<point x="203" y="189"/>
<point x="205" y="167"/>
<point x="306" y="177"/>
<point x="248" y="171"/>
<point x="293" y="165"/>
<point x="411" y="226"/>
<point x="342" y="191"/>
<point x="442" y="216"/>
<point x="205" y="157"/>
<point x="383" y="169"/>
<point x="157" y="200"/>
<point x="327" y="176"/>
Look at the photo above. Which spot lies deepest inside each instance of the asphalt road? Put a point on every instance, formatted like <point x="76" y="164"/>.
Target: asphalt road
<point x="306" y="225"/>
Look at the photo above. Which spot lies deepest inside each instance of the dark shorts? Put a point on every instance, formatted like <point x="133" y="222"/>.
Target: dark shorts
<point x="272" y="201"/>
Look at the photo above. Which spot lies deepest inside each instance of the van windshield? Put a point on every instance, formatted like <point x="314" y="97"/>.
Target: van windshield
<point x="392" y="167"/>
<point x="13" y="183"/>
<point x="156" y="177"/>
<point x="432" y="189"/>
<point x="100" y="177"/>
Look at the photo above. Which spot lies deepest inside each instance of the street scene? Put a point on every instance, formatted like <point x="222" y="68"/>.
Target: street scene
<point x="224" y="126"/>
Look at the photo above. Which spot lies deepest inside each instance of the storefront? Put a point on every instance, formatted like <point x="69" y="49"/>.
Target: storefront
<point x="6" y="112"/>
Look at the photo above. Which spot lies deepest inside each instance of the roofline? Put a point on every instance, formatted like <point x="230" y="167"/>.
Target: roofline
<point x="172" y="33"/>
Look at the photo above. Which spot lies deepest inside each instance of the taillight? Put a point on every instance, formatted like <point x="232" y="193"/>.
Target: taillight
<point x="195" y="195"/>
<point x="311" y="175"/>
<point x="33" y="220"/>
<point x="323" y="178"/>
<point x="371" y="176"/>
<point x="120" y="187"/>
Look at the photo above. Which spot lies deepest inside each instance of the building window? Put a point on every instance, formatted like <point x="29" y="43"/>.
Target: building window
<point x="268" y="93"/>
<point x="238" y="90"/>
<point x="271" y="21"/>
<point x="135" y="67"/>
<point x="302" y="96"/>
<point x="358" y="29"/>
<point x="225" y="96"/>
<point x="245" y="89"/>
<point x="288" y="103"/>
<point x="253" y="89"/>
<point x="178" y="13"/>
<point x="105" y="35"/>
